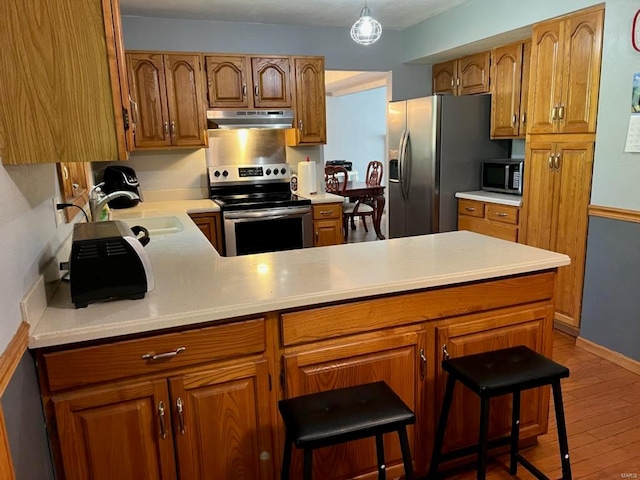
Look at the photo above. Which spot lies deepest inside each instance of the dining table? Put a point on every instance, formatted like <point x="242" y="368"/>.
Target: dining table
<point x="371" y="194"/>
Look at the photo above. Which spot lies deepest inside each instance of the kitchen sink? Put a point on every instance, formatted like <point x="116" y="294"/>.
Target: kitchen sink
<point x="157" y="225"/>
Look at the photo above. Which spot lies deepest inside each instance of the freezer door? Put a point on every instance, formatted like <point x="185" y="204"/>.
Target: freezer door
<point x="419" y="165"/>
<point x="396" y="131"/>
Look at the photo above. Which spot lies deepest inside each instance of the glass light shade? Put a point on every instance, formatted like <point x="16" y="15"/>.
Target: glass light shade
<point x="366" y="30"/>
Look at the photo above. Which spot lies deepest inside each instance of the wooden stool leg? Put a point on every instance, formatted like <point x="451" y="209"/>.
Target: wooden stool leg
<point x="308" y="464"/>
<point x="484" y="434"/>
<point x="515" y="433"/>
<point x="562" y="431"/>
<point x="442" y="426"/>
<point x="286" y="458"/>
<point x="406" y="453"/>
<point x="382" y="473"/>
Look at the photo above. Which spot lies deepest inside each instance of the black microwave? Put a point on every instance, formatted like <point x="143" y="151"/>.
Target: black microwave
<point x="504" y="176"/>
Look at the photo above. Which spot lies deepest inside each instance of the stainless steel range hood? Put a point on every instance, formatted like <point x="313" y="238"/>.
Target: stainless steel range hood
<point x="233" y="119"/>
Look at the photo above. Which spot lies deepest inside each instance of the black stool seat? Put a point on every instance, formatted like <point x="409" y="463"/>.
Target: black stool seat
<point x="336" y="416"/>
<point x="500" y="372"/>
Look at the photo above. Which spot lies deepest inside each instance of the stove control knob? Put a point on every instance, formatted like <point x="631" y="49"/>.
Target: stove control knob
<point x="283" y="171"/>
<point x="275" y="171"/>
<point x="216" y="173"/>
<point x="268" y="172"/>
<point x="225" y="173"/>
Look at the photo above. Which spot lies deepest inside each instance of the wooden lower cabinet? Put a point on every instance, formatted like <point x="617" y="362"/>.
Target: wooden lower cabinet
<point x="470" y="336"/>
<point x="327" y="225"/>
<point x="495" y="220"/>
<point x="210" y="223"/>
<point x="393" y="358"/>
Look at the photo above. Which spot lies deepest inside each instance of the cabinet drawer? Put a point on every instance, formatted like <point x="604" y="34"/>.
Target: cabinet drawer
<point x="505" y="232"/>
<point x="502" y="213"/>
<point x="327" y="210"/>
<point x="99" y="363"/>
<point x="471" y="208"/>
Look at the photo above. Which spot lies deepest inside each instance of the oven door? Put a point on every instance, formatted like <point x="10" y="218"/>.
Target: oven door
<point x="267" y="230"/>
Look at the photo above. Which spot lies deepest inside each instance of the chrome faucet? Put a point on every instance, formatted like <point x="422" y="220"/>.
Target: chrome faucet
<point x="98" y="200"/>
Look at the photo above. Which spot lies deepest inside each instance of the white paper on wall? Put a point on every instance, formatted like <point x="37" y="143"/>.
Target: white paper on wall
<point x="633" y="132"/>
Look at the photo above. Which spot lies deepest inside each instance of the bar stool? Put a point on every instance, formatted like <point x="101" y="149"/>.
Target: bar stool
<point x="342" y="415"/>
<point x="501" y="372"/>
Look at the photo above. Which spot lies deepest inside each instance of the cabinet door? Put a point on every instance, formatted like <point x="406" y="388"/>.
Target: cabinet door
<point x="473" y="74"/>
<point x="271" y="82"/>
<point x="227" y="81"/>
<point x="221" y="423"/>
<point x="310" y="100"/>
<point x="524" y="88"/>
<point x="546" y="76"/>
<point x="118" y="431"/>
<point x="148" y="89"/>
<point x="209" y="225"/>
<point x="444" y="77"/>
<point x="185" y="98"/>
<point x="327" y="232"/>
<point x="539" y="195"/>
<point x="395" y="359"/>
<point x="581" y="72"/>
<point x="466" y="338"/>
<point x="575" y="165"/>
<point x="506" y="74"/>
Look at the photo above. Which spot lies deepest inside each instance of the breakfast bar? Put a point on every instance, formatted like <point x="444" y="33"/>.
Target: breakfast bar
<point x="188" y="378"/>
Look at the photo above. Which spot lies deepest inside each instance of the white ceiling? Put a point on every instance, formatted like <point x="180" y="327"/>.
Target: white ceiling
<point x="392" y="14"/>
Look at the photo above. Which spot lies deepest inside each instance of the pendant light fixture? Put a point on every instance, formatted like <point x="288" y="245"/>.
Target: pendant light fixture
<point x="366" y="30"/>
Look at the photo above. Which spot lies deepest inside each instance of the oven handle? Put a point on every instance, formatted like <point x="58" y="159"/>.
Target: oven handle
<point x="267" y="213"/>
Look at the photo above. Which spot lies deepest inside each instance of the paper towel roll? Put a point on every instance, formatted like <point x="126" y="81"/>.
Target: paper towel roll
<point x="307" y="178"/>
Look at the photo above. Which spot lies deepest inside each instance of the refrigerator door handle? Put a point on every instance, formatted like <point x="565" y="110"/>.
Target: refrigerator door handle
<point x="404" y="171"/>
<point x="401" y="161"/>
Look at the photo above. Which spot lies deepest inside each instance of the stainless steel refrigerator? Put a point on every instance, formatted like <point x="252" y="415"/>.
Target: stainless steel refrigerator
<point x="436" y="146"/>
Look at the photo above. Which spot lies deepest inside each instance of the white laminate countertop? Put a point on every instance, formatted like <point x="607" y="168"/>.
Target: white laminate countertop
<point x="194" y="284"/>
<point x="492" y="197"/>
<point x="323" y="197"/>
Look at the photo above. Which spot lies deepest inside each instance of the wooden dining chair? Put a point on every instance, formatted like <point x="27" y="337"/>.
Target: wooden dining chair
<point x="335" y="179"/>
<point x="373" y="177"/>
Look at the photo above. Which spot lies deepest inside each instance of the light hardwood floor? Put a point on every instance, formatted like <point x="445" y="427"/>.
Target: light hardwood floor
<point x="602" y="410"/>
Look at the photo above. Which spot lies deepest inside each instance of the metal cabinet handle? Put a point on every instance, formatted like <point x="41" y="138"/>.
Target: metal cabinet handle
<point x="458" y="81"/>
<point x="163" y="423"/>
<point x="325" y="212"/>
<point x="554" y="113"/>
<point x="550" y="161"/>
<point x="453" y="82"/>
<point x="256" y="90"/>
<point x="166" y="128"/>
<point x="65" y="172"/>
<point x="300" y="125"/>
<point x="470" y="209"/>
<point x="423" y="364"/>
<point x="556" y="161"/>
<point x="561" y="111"/>
<point x="180" y="408"/>
<point x="159" y="356"/>
<point x="501" y="214"/>
<point x="317" y="236"/>
<point x="134" y="109"/>
<point x="523" y="119"/>
<point x="173" y="128"/>
<point x="445" y="353"/>
<point x="244" y="90"/>
<point x="514" y="120"/>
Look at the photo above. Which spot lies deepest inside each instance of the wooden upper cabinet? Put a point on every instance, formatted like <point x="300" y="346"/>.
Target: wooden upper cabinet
<point x="509" y="90"/>
<point x="168" y="99"/>
<point x="227" y="77"/>
<point x="69" y="62"/>
<point x="473" y="74"/>
<point x="118" y="431"/>
<point x="463" y="76"/>
<point x="444" y="77"/>
<point x="271" y="82"/>
<point x="310" y="122"/>
<point x="565" y="73"/>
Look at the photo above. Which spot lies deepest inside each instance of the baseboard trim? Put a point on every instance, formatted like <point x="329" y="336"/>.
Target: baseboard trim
<point x="563" y="327"/>
<point x="614" y="357"/>
<point x="12" y="355"/>
<point x="614" y="213"/>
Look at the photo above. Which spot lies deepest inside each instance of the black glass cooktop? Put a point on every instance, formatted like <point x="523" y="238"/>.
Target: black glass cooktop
<point x="250" y="201"/>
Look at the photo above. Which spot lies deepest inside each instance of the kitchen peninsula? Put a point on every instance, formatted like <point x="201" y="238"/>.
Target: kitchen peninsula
<point x="188" y="378"/>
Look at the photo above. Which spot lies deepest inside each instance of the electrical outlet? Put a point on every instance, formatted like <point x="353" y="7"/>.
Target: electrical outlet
<point x="58" y="214"/>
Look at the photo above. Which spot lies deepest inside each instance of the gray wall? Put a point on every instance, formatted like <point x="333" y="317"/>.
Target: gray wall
<point x="611" y="305"/>
<point x="25" y="424"/>
<point x="335" y="44"/>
